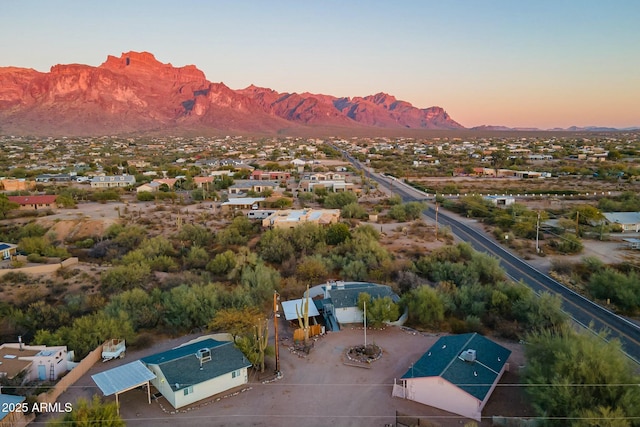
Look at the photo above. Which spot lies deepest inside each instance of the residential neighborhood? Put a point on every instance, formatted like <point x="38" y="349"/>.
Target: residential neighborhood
<point x="248" y="270"/>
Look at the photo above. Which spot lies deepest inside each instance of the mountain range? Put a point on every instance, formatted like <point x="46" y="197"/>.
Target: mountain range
<point x="135" y="93"/>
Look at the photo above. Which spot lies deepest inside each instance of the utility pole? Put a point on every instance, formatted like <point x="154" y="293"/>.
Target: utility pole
<point x="275" y="328"/>
<point x="538" y="233"/>
<point x="365" y="325"/>
<point x="577" y="223"/>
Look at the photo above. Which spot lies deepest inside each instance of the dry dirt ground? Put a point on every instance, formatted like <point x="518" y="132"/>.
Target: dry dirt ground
<point x="316" y="390"/>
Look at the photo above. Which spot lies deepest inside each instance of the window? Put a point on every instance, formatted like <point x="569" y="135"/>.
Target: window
<point x="188" y="390"/>
<point x="235" y="374"/>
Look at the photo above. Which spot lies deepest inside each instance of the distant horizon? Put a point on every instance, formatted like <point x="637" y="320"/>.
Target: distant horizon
<point x="543" y="64"/>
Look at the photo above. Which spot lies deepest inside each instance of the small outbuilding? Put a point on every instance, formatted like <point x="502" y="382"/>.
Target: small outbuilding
<point x="457" y="374"/>
<point x="500" y="200"/>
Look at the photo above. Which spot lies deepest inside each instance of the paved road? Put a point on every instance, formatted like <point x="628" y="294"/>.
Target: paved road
<point x="582" y="310"/>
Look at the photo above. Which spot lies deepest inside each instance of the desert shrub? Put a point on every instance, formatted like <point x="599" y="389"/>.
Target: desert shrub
<point x="85" y="244"/>
<point x="145" y="196"/>
<point x="36" y="258"/>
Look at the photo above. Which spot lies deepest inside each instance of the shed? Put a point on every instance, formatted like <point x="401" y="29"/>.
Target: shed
<point x="457" y="374"/>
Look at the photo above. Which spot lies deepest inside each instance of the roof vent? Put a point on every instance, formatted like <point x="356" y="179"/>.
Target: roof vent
<point x="468" y="355"/>
<point x="203" y="355"/>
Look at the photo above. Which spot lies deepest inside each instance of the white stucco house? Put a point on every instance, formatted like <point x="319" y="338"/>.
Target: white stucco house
<point x="338" y="300"/>
<point x="500" y="200"/>
<point x="35" y="362"/>
<point x="198" y="370"/>
<point x="629" y="221"/>
<point x="113" y="181"/>
<point x="457" y="374"/>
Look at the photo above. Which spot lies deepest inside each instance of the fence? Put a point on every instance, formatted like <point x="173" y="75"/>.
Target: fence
<point x="41" y="269"/>
<point x="72" y="376"/>
<point x="298" y="334"/>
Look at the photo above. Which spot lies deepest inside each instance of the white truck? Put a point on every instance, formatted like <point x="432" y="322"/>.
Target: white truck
<point x="113" y="349"/>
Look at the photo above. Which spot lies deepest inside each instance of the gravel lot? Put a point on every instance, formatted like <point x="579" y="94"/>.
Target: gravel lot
<point x="315" y="390"/>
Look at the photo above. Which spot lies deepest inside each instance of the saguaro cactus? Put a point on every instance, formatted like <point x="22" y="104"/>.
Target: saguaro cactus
<point x="303" y="318"/>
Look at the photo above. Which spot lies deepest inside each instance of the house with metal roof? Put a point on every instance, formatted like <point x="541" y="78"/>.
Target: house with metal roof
<point x="629" y="221"/>
<point x="457" y="374"/>
<point x="197" y="370"/>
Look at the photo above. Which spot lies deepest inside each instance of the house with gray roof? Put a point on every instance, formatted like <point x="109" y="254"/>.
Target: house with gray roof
<point x="197" y="370"/>
<point x="113" y="181"/>
<point x="629" y="221"/>
<point x="339" y="303"/>
<point x="243" y="186"/>
<point x="457" y="374"/>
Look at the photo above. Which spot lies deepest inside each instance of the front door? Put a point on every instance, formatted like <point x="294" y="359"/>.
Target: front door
<point x="42" y="372"/>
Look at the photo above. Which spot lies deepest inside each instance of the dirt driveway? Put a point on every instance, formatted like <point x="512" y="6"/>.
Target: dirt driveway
<point x="315" y="390"/>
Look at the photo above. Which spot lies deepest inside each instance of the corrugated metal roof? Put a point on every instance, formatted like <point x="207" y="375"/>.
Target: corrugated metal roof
<point x="623" y="217"/>
<point x="289" y="308"/>
<point x="123" y="378"/>
<point x="443" y="360"/>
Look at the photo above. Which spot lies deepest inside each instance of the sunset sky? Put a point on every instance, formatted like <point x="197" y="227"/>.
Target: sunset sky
<point x="518" y="63"/>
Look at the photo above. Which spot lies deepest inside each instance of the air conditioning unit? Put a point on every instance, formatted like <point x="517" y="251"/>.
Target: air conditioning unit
<point x="468" y="355"/>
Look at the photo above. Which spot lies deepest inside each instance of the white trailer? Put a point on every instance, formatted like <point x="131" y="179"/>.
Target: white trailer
<point x="113" y="349"/>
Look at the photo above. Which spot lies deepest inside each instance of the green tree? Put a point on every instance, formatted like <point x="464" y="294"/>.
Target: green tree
<point x="143" y="309"/>
<point x="187" y="307"/>
<point x="306" y="198"/>
<point x="380" y="310"/>
<point x="312" y="269"/>
<point x="259" y="281"/>
<point x="337" y="233"/>
<point x="195" y="234"/>
<point x="124" y="277"/>
<point x="397" y="213"/>
<point x="222" y="263"/>
<point x="425" y="306"/>
<point x="6" y="205"/>
<point x="145" y="196"/>
<point x="339" y="200"/>
<point x="622" y="289"/>
<point x="197" y="257"/>
<point x="571" y="374"/>
<point x="94" y="413"/>
<point x="235" y="321"/>
<point x="66" y="201"/>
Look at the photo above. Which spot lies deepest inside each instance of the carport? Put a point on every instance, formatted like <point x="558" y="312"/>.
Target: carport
<point x="124" y="378"/>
